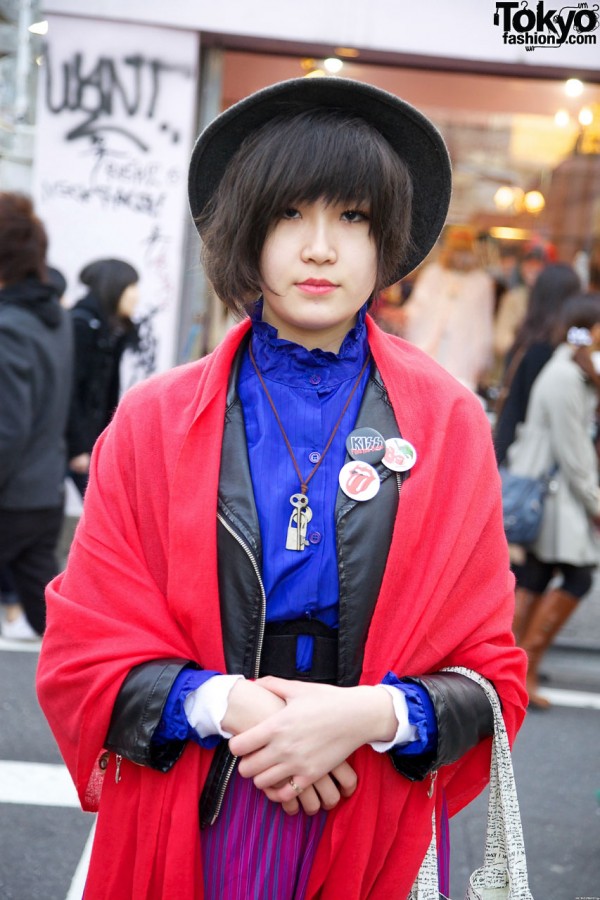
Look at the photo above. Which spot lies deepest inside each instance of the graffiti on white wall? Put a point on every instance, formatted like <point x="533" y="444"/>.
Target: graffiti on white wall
<point x="116" y="110"/>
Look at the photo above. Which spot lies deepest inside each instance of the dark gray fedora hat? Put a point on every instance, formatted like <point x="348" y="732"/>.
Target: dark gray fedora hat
<point x="409" y="132"/>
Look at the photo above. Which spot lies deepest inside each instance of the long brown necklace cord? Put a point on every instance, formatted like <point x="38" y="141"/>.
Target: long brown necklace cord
<point x="304" y="482"/>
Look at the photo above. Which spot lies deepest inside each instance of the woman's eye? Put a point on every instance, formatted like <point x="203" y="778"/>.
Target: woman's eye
<point x="355" y="215"/>
<point x="291" y="213"/>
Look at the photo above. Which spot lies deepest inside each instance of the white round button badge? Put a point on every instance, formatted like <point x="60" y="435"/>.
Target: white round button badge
<point x="359" y="480"/>
<point x="400" y="455"/>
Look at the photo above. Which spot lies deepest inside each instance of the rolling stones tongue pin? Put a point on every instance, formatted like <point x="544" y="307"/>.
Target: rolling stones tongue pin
<point x="358" y="479"/>
<point x="302" y="513"/>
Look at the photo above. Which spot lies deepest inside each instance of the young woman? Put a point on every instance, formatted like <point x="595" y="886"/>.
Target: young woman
<point x="558" y="435"/>
<point x="284" y="543"/>
<point x="103" y="328"/>
<point x="534" y="345"/>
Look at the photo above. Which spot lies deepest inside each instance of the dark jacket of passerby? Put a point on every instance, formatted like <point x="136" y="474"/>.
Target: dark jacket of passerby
<point x="36" y="357"/>
<point x="528" y="366"/>
<point x="35" y="381"/>
<point x="98" y="351"/>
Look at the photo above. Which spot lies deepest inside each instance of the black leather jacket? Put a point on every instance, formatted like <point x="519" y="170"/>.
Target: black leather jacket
<point x="462" y="709"/>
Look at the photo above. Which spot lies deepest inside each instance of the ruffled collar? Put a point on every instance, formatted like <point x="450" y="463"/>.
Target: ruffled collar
<point x="291" y="363"/>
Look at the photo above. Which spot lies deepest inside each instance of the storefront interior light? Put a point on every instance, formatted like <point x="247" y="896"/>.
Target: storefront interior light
<point x="504" y="233"/>
<point x="39" y="27"/>
<point x="507" y="197"/>
<point x="534" y="202"/>
<point x="562" y="118"/>
<point x="573" y="87"/>
<point x="333" y="65"/>
<point x="312" y="68"/>
<point x="347" y="52"/>
<point x="504" y="197"/>
<point x="586" y="116"/>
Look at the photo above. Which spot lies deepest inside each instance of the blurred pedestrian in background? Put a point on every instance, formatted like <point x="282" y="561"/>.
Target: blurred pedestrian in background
<point x="558" y="437"/>
<point x="533" y="347"/>
<point x="388" y="308"/>
<point x="56" y="278"/>
<point x="512" y="305"/>
<point x="103" y="328"/>
<point x="450" y="312"/>
<point x="35" y="388"/>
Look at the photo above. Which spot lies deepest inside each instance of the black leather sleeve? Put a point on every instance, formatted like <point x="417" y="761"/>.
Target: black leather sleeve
<point x="464" y="717"/>
<point x="137" y="713"/>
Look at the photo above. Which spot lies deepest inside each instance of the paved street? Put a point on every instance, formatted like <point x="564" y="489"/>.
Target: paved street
<point x="43" y="834"/>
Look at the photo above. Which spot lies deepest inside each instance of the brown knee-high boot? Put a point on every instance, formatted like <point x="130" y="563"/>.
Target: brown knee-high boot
<point x="552" y="612"/>
<point x="526" y="602"/>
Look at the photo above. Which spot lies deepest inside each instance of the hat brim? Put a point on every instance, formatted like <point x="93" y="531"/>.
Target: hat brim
<point x="413" y="137"/>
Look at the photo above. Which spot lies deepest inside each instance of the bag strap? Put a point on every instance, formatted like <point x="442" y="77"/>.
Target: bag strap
<point x="505" y="847"/>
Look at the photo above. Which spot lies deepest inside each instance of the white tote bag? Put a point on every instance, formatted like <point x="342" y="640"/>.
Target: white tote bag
<point x="503" y="875"/>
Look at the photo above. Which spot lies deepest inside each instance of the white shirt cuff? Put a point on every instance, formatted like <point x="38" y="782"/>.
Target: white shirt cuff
<point x="406" y="732"/>
<point x="205" y="707"/>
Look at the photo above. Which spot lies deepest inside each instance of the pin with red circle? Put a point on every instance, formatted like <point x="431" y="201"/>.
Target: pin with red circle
<point x="400" y="455"/>
<point x="359" y="480"/>
<point x="366" y="445"/>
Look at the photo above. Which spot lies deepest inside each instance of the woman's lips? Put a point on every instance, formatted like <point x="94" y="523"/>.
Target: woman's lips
<point x="316" y="286"/>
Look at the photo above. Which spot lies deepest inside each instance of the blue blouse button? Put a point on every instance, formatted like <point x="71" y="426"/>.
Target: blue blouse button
<point x="315" y="379"/>
<point x="314" y="457"/>
<point x="315" y="537"/>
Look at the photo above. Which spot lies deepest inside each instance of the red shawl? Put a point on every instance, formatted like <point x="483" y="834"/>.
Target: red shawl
<point x="141" y="583"/>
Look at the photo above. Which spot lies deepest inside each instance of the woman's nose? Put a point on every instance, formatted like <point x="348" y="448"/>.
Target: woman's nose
<point x="319" y="245"/>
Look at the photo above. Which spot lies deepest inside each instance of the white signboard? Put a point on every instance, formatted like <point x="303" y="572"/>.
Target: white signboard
<point x="116" y="109"/>
<point x="530" y="32"/>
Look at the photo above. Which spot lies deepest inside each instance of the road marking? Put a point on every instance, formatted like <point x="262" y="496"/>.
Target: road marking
<point x="577" y="699"/>
<point x="46" y="784"/>
<point x="36" y="784"/>
<point x="78" y="882"/>
<point x="20" y="646"/>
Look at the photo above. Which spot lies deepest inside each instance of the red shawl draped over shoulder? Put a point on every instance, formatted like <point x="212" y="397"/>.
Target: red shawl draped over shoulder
<point x="141" y="583"/>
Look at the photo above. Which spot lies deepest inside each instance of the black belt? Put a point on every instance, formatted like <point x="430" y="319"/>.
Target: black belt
<point x="278" y="655"/>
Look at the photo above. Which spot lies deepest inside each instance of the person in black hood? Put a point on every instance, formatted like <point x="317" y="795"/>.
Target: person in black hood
<point x="36" y="358"/>
<point x="103" y="329"/>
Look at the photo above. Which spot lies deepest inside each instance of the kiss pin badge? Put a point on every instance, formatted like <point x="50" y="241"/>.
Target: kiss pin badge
<point x="400" y="455"/>
<point x="359" y="480"/>
<point x="366" y="445"/>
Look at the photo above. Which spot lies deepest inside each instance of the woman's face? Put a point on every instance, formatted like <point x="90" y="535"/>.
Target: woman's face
<point x="128" y="301"/>
<point x="318" y="267"/>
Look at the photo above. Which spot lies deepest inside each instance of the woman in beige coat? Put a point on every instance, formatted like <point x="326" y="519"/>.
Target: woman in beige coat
<point x="558" y="434"/>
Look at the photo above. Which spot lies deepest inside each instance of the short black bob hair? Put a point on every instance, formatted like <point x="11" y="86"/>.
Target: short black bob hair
<point x="107" y="279"/>
<point x="317" y="154"/>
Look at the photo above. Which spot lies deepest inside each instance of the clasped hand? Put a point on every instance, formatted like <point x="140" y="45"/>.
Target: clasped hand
<point x="302" y="731"/>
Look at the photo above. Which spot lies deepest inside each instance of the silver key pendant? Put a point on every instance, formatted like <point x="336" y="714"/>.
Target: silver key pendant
<point x="299" y="519"/>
